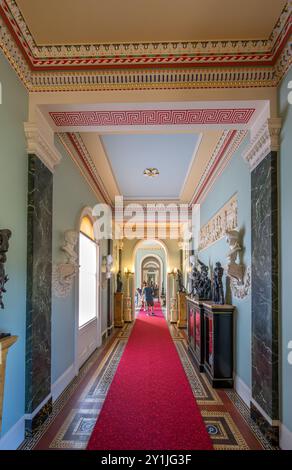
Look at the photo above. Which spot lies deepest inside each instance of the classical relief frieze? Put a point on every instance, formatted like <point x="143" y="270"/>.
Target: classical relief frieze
<point x="222" y="222"/>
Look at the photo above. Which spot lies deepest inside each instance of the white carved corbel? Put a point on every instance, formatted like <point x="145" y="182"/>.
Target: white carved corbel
<point x="64" y="273"/>
<point x="266" y="140"/>
<point x="40" y="141"/>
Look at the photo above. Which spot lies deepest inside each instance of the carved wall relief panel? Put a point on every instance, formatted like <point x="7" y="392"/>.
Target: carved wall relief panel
<point x="223" y="221"/>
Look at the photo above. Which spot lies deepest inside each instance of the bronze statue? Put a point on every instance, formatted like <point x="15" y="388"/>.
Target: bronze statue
<point x="200" y="282"/>
<point x="119" y="282"/>
<point x="4" y="246"/>
<point x="180" y="285"/>
<point x="218" y="291"/>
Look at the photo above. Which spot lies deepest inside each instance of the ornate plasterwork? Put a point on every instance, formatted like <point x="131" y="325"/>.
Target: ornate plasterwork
<point x="265" y="141"/>
<point x="155" y="54"/>
<point x="229" y="143"/>
<point x="153" y="117"/>
<point x="75" y="147"/>
<point x="40" y="142"/>
<point x="214" y="64"/>
<point x="63" y="274"/>
<point x="223" y="221"/>
<point x="238" y="273"/>
<point x="243" y="290"/>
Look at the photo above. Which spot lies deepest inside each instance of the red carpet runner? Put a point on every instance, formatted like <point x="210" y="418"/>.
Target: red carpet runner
<point x="150" y="404"/>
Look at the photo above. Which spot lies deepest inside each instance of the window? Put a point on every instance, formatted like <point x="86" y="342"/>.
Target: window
<point x="87" y="278"/>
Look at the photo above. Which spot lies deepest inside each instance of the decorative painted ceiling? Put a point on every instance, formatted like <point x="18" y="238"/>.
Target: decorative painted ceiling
<point x="188" y="45"/>
<point x="130" y="155"/>
<point x="114" y="21"/>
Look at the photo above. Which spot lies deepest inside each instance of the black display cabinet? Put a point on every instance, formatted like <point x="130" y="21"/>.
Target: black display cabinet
<point x="218" y="334"/>
<point x="195" y="313"/>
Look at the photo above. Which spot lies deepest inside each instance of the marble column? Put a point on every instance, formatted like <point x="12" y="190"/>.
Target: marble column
<point x="262" y="156"/>
<point x="42" y="159"/>
<point x="39" y="292"/>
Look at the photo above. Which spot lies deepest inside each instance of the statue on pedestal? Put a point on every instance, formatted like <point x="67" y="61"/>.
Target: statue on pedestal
<point x="4" y="246"/>
<point x="218" y="290"/>
<point x="180" y="285"/>
<point x="119" y="282"/>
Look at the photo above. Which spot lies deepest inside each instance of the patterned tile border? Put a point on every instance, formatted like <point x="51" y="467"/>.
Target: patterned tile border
<point x="223" y="431"/>
<point x="244" y="411"/>
<point x="59" y="404"/>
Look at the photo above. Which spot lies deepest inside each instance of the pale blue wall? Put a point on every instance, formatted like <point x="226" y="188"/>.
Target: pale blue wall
<point x="71" y="195"/>
<point x="234" y="179"/>
<point x="13" y="196"/>
<point x="285" y="111"/>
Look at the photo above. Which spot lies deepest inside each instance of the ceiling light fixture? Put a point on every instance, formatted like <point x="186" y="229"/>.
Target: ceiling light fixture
<point x="151" y="172"/>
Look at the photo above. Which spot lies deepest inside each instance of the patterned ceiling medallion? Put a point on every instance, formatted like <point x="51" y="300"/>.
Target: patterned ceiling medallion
<point x="151" y="172"/>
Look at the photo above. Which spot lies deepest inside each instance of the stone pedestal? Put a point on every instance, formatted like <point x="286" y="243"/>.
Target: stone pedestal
<point x="128" y="300"/>
<point x="173" y="310"/>
<point x="118" y="310"/>
<point x="182" y="310"/>
<point x="127" y="309"/>
<point x="5" y="344"/>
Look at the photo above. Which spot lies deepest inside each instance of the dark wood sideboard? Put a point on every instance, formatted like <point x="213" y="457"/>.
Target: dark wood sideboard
<point x="211" y="340"/>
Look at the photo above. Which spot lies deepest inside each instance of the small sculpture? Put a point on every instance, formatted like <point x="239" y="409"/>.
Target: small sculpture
<point x="218" y="291"/>
<point x="204" y="288"/>
<point x="4" y="246"/>
<point x="200" y="282"/>
<point x="119" y="282"/>
<point x="180" y="285"/>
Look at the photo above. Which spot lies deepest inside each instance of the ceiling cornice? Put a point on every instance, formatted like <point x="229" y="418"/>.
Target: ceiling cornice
<point x="228" y="144"/>
<point x="145" y="65"/>
<point x="137" y="55"/>
<point x="77" y="150"/>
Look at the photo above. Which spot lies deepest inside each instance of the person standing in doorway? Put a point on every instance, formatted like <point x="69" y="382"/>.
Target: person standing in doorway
<point x="148" y="294"/>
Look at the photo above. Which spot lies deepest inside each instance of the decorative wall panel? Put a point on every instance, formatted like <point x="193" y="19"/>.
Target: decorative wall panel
<point x="224" y="220"/>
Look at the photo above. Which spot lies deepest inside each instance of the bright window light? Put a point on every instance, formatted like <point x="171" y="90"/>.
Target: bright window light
<point x="87" y="280"/>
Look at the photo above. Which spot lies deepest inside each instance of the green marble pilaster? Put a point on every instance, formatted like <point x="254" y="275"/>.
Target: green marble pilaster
<point x="39" y="293"/>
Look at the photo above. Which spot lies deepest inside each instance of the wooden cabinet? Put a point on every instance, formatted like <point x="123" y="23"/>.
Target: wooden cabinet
<point x="195" y="314"/>
<point x="119" y="309"/>
<point x="218" y="340"/>
<point x="182" y="310"/>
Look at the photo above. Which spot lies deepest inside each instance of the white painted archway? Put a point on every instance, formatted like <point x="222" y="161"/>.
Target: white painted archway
<point x="88" y="338"/>
<point x="152" y="242"/>
<point x="163" y="269"/>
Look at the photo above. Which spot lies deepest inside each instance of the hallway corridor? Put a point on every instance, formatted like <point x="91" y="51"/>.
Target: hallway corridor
<point x="77" y="410"/>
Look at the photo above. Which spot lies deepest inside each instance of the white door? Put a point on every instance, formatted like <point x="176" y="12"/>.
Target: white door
<point x="89" y="335"/>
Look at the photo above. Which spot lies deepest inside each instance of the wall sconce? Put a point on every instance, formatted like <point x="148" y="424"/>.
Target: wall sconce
<point x="127" y="272"/>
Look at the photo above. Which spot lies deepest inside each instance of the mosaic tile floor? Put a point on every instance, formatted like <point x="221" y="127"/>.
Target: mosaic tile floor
<point x="76" y="410"/>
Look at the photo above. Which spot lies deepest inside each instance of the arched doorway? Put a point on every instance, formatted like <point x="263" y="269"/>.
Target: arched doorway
<point x="88" y="324"/>
<point x="150" y="258"/>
